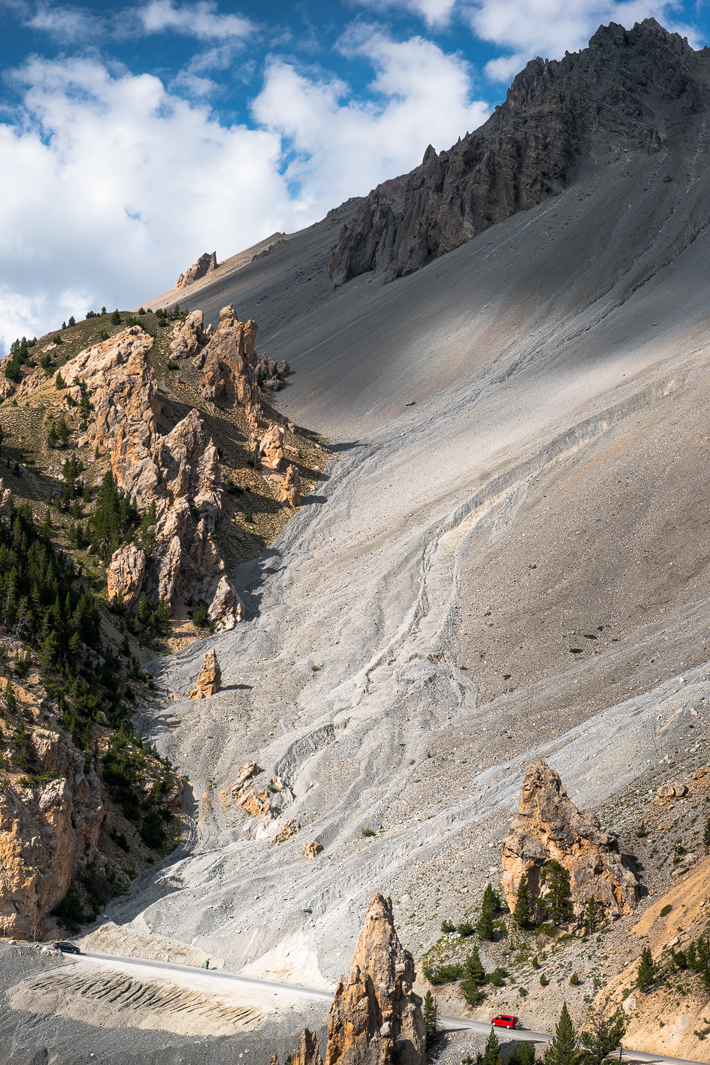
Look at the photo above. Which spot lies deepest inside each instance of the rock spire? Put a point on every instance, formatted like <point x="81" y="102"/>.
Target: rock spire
<point x="209" y="678"/>
<point x="375" y="1018"/>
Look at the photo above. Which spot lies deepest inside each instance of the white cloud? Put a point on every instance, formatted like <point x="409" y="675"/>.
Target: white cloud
<point x="344" y="146"/>
<point x="433" y="12"/>
<point x="111" y="185"/>
<point x="200" y="20"/>
<point x="550" y="27"/>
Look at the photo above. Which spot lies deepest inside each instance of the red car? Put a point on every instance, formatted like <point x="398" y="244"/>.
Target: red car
<point x="505" y="1020"/>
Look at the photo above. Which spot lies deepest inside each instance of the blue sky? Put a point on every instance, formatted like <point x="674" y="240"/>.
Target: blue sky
<point x="134" y="137"/>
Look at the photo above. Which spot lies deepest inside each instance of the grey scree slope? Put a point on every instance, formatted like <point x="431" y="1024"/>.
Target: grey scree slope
<point x="559" y="364"/>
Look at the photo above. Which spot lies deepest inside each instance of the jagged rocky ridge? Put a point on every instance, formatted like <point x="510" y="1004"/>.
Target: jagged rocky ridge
<point x="549" y="827"/>
<point x="206" y="264"/>
<point x="627" y="87"/>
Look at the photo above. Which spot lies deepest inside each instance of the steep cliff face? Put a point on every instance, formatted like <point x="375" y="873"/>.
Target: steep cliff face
<point x="549" y="827"/>
<point x="553" y="114"/>
<point x="48" y="832"/>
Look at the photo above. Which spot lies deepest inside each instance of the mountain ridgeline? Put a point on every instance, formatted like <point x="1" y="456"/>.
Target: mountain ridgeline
<point x="638" y="88"/>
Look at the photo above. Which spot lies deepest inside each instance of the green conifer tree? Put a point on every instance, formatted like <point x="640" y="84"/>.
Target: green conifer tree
<point x="646" y="970"/>
<point x="492" y="1055"/>
<point x="521" y="913"/>
<point x="706" y="835"/>
<point x="429" y="1016"/>
<point x="474" y="966"/>
<point x="526" y="1053"/>
<point x="557" y="899"/>
<point x="562" y="1050"/>
<point x="602" y="1036"/>
<point x="590" y="916"/>
<point x="484" y="924"/>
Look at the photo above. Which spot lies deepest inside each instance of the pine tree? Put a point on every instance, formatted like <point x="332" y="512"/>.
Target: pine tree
<point x="557" y="897"/>
<point x="706" y="835"/>
<point x="116" y="318"/>
<point x="603" y="1036"/>
<point x="646" y="971"/>
<point x="562" y="1050"/>
<point x="10" y="699"/>
<point x="484" y="925"/>
<point x="521" y="913"/>
<point x="492" y="1055"/>
<point x="526" y="1053"/>
<point x="474" y="966"/>
<point x="590" y="916"/>
<point x="429" y="1016"/>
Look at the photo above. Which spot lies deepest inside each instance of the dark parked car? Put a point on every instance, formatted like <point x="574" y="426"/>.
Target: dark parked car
<point x="66" y="948"/>
<point x="505" y="1020"/>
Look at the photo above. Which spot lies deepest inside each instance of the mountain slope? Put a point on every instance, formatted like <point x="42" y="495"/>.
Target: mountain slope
<point x="421" y="630"/>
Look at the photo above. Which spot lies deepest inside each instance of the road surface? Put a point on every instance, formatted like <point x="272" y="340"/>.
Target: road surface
<point x="449" y="1024"/>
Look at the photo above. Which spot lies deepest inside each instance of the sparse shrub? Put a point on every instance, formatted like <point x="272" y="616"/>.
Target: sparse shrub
<point x="465" y="929"/>
<point x="59" y="381"/>
<point x="200" y="618"/>
<point x="141" y="310"/>
<point x="574" y="979"/>
<point x="522" y="992"/>
<point x="368" y="832"/>
<point x="115" y="318"/>
<point x="666" y="910"/>
<point x="641" y="832"/>
<point x="543" y="980"/>
<point x="448" y="926"/>
<point x="172" y="365"/>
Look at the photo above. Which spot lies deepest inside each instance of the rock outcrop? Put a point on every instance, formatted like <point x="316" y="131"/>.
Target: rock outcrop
<point x="289" y="829"/>
<point x="271" y="448"/>
<point x="125" y="575"/>
<point x="209" y="678"/>
<point x="307" y="1052"/>
<point x="549" y="827"/>
<point x="189" y="336"/>
<point x="47" y="833"/>
<point x="291" y="489"/>
<point x="177" y="473"/>
<point x="312" y="849"/>
<point x="206" y="264"/>
<point x="375" y="1018"/>
<point x="228" y="365"/>
<point x="554" y="112"/>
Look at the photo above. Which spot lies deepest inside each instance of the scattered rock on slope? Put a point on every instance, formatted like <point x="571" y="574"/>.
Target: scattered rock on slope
<point x="206" y="264"/>
<point x="375" y="1016"/>
<point x="209" y="678"/>
<point x="550" y="827"/>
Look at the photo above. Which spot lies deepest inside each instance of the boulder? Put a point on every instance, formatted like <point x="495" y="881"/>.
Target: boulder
<point x="226" y="608"/>
<point x="206" y="264"/>
<point x="289" y="829"/>
<point x="209" y="678"/>
<point x="311" y="850"/>
<point x="125" y="575"/>
<point x="271" y="448"/>
<point x="550" y="827"/>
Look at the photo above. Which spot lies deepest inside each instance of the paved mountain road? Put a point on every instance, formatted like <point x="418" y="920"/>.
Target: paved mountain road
<point x="217" y="977"/>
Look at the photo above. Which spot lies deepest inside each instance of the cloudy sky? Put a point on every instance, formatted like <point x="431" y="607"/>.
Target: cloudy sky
<point x="133" y="138"/>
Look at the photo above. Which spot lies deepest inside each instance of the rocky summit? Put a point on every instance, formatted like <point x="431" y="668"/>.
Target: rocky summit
<point x="452" y="494"/>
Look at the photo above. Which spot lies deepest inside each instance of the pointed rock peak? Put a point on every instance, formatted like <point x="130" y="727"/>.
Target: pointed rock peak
<point x="429" y="154"/>
<point x="375" y="1016"/>
<point x="307" y="1052"/>
<point x="209" y="679"/>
